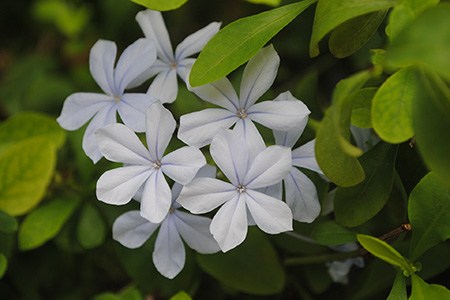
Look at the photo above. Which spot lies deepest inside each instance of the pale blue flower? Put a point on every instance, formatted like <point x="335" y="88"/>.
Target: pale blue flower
<point x="339" y="269"/>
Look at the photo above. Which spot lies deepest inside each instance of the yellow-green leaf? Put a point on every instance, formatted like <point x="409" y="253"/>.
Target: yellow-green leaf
<point x="266" y="2"/>
<point x="161" y="5"/>
<point x="3" y="265"/>
<point x="424" y="291"/>
<point x="362" y="104"/>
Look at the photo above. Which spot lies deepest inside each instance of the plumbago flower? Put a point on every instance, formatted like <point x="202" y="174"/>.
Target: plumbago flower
<point x="145" y="167"/>
<point x="199" y="128"/>
<point x="241" y="197"/>
<point x="79" y="108"/>
<point x="169" y="64"/>
<point x="132" y="230"/>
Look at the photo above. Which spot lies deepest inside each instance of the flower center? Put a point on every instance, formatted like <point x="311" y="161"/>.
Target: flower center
<point x="173" y="65"/>
<point x="157" y="164"/>
<point x="171" y="210"/>
<point x="117" y="98"/>
<point x="241" y="189"/>
<point x="241" y="113"/>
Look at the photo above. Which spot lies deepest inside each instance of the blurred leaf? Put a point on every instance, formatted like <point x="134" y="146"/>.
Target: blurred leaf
<point x="356" y="205"/>
<point x="91" y="227"/>
<point x="131" y="293"/>
<point x="3" y="265"/>
<point x="106" y="296"/>
<point x="392" y="106"/>
<point x="351" y="35"/>
<point x="181" y="296"/>
<point x="253" y="267"/>
<point x="424" y="41"/>
<point x="45" y="222"/>
<point x="332" y="13"/>
<point x="334" y="153"/>
<point x="398" y="291"/>
<point x="8" y="224"/>
<point x="429" y="213"/>
<point x="424" y="291"/>
<point x="161" y="5"/>
<point x="306" y="91"/>
<point x="330" y="233"/>
<point x="362" y="104"/>
<point x="239" y="41"/>
<point x="266" y="2"/>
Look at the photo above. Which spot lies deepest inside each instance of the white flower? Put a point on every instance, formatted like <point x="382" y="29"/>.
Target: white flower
<point x="199" y="128"/>
<point x="145" y="167"/>
<point x="339" y="270"/>
<point x="247" y="173"/>
<point x="79" y="108"/>
<point x="169" y="64"/>
<point x="132" y="230"/>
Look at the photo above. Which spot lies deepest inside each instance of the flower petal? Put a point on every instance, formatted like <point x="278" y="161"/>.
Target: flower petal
<point x="132" y="230"/>
<point x="135" y="60"/>
<point x="184" y="67"/>
<point x="156" y="198"/>
<point x="160" y="127"/>
<point x="275" y="191"/>
<point x="165" y="86"/>
<point x="204" y="194"/>
<point x="182" y="164"/>
<point x="258" y="76"/>
<point x="271" y="215"/>
<point x="248" y="131"/>
<point x="79" y="108"/>
<point x="305" y="157"/>
<point x="195" y="232"/>
<point x="199" y="128"/>
<point x="269" y="167"/>
<point x="101" y="64"/>
<point x="230" y="153"/>
<point x="120" y="144"/>
<point x="229" y="225"/>
<point x="119" y="185"/>
<point x="195" y="42"/>
<point x="220" y="93"/>
<point x="301" y="196"/>
<point x="152" y="24"/>
<point x="279" y="115"/>
<point x="169" y="255"/>
<point x="132" y="108"/>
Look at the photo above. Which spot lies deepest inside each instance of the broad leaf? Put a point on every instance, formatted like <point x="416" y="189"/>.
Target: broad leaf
<point x="351" y="35"/>
<point x="161" y="5"/>
<point x="362" y="104"/>
<point x="253" y="267"/>
<point x="239" y="41"/>
<point x="392" y="106"/>
<point x="181" y="296"/>
<point x="330" y="233"/>
<point x="424" y="291"/>
<point x="426" y="40"/>
<point x="3" y="265"/>
<point x="356" y="205"/>
<point x="8" y="224"/>
<point x="266" y="2"/>
<point x="45" y="222"/>
<point x="331" y="13"/>
<point x="91" y="228"/>
<point x="429" y="214"/>
<point x="398" y="291"/>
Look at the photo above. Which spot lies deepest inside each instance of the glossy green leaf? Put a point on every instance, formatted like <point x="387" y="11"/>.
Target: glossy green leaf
<point x="351" y="35"/>
<point x="331" y="13"/>
<point x="398" y="291"/>
<point x="239" y="41"/>
<point x="8" y="224"/>
<point x="334" y="153"/>
<point x="362" y="104"/>
<point x="3" y="265"/>
<point x="392" y="106"/>
<point x="91" y="229"/>
<point x="429" y="214"/>
<point x="330" y="233"/>
<point x="161" y="5"/>
<point x="266" y="2"/>
<point x="181" y="296"/>
<point x="385" y="252"/>
<point x="424" y="291"/>
<point x="356" y="205"/>
<point x="253" y="267"/>
<point x="45" y="222"/>
<point x="426" y="40"/>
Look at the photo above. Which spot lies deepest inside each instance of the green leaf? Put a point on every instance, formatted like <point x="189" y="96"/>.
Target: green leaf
<point x="385" y="252"/>
<point x="45" y="222"/>
<point x="3" y="265"/>
<point x="331" y="13"/>
<point x="181" y="296"/>
<point x="91" y="228"/>
<point x="334" y="153"/>
<point x="161" y="5"/>
<point x="330" y="233"/>
<point x="253" y="267"/>
<point x="398" y="291"/>
<point x="266" y="2"/>
<point x="424" y="291"/>
<point x="8" y="224"/>
<point x="351" y="35"/>
<point x="239" y="41"/>
<point x="392" y="106"/>
<point x="426" y="40"/>
<point x="362" y="103"/>
<point x="429" y="214"/>
<point x="356" y="205"/>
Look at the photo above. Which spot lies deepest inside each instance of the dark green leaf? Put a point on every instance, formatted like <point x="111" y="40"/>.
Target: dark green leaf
<point x="161" y="5"/>
<point x="398" y="291"/>
<point x="91" y="228"/>
<point x="424" y="291"/>
<point x="429" y="213"/>
<point x="3" y="265"/>
<point x="239" y="41"/>
<point x="253" y="267"/>
<point x="330" y="233"/>
<point x="8" y="224"/>
<point x="362" y="103"/>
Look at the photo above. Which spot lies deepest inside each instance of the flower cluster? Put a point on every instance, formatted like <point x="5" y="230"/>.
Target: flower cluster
<point x="250" y="190"/>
